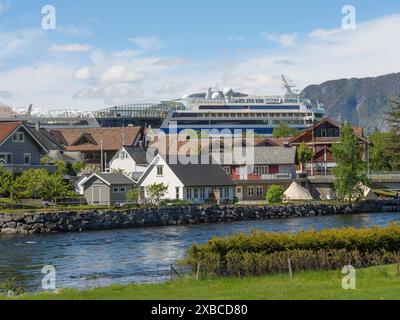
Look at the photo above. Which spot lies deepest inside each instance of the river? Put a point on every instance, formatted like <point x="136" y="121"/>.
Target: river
<point x="91" y="259"/>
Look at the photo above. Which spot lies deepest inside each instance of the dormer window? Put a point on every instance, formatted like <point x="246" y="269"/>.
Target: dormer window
<point x="18" y="137"/>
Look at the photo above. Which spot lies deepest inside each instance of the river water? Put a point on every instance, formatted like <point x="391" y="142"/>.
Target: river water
<point x="91" y="259"/>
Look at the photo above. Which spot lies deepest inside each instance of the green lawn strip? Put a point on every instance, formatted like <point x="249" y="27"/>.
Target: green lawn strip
<point x="372" y="284"/>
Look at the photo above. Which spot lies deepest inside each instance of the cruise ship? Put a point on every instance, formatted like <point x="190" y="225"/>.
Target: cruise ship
<point x="231" y="110"/>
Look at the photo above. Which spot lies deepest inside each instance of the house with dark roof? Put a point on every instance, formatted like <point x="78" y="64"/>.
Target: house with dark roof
<point x="130" y="160"/>
<point x="320" y="138"/>
<point x="97" y="143"/>
<point x="107" y="188"/>
<point x="256" y="169"/>
<point x="21" y="148"/>
<point x="196" y="183"/>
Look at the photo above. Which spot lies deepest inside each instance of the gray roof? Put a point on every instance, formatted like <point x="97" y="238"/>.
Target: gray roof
<point x="202" y="175"/>
<point x="115" y="178"/>
<point x="263" y="156"/>
<point x="196" y="175"/>
<point x="138" y="154"/>
<point x="45" y="138"/>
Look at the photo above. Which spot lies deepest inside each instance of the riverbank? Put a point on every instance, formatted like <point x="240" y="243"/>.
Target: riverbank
<point x="34" y="222"/>
<point x="378" y="283"/>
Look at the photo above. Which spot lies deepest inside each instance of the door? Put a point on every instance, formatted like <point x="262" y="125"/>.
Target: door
<point x="239" y="193"/>
<point x="96" y="195"/>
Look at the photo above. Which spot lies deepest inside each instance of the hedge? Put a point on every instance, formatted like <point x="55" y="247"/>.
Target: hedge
<point x="262" y="253"/>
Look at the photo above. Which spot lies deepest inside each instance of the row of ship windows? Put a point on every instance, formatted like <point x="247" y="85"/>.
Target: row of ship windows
<point x="242" y="115"/>
<point x="242" y="122"/>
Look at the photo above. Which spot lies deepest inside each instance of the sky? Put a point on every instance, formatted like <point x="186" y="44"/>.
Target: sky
<point x="103" y="53"/>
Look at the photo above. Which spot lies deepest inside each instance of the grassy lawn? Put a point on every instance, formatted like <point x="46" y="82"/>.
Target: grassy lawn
<point x="372" y="284"/>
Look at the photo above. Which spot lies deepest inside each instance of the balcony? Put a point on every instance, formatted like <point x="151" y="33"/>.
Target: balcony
<point x="271" y="177"/>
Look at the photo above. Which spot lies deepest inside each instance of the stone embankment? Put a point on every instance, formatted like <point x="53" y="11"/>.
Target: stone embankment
<point x="76" y="221"/>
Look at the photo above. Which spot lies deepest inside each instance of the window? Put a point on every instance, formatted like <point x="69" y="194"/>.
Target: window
<point x="122" y="190"/>
<point x="259" y="191"/>
<point x="239" y="190"/>
<point x="264" y="170"/>
<point x="122" y="155"/>
<point x="251" y="191"/>
<point x="227" y="170"/>
<point x="196" y="193"/>
<point x="256" y="171"/>
<point x="115" y="190"/>
<point x="160" y="171"/>
<point x="178" y="193"/>
<point x="18" y="137"/>
<point x="203" y="193"/>
<point x="225" y="193"/>
<point x="5" y="158"/>
<point x="27" y="158"/>
<point x="189" y="193"/>
<point x="324" y="133"/>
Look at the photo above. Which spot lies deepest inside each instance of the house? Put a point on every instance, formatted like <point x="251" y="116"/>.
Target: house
<point x="269" y="166"/>
<point x="20" y="148"/>
<point x="196" y="183"/>
<point x="320" y="138"/>
<point x="96" y="144"/>
<point x="131" y="161"/>
<point x="107" y="188"/>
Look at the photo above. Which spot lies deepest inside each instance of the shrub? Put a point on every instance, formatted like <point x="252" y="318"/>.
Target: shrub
<point x="275" y="195"/>
<point x="262" y="253"/>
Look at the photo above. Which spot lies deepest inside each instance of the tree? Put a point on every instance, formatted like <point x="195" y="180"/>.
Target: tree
<point x="283" y="130"/>
<point x="39" y="184"/>
<point x="304" y="155"/>
<point x="156" y="192"/>
<point x="275" y="194"/>
<point x="380" y="157"/>
<point x="393" y="141"/>
<point x="61" y="167"/>
<point x="6" y="179"/>
<point x="133" y="195"/>
<point x="77" y="167"/>
<point x="350" y="169"/>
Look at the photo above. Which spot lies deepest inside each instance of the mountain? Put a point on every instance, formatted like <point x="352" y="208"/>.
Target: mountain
<point x="364" y="102"/>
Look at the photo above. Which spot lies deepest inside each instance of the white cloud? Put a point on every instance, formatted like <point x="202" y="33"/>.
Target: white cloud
<point x="83" y="74"/>
<point x="119" y="74"/>
<point x="70" y="47"/>
<point x="285" y="40"/>
<point x="147" y="44"/>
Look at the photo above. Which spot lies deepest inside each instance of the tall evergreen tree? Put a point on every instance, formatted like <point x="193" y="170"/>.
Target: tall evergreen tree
<point x="350" y="170"/>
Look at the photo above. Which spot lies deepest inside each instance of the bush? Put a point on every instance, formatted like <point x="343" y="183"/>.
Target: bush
<point x="262" y="253"/>
<point x="275" y="195"/>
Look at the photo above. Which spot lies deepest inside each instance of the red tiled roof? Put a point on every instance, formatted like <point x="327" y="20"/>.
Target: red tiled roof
<point x="112" y="138"/>
<point x="7" y="128"/>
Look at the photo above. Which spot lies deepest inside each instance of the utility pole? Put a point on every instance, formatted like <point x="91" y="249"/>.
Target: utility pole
<point x="101" y="154"/>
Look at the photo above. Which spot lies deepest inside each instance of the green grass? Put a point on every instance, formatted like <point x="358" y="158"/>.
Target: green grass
<point x="379" y="283"/>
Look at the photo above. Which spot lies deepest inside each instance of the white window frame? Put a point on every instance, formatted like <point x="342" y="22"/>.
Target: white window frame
<point x="30" y="159"/>
<point x="259" y="191"/>
<point x="189" y="193"/>
<point x="256" y="170"/>
<point x="158" y="171"/>
<point x="177" y="193"/>
<point x="253" y="191"/>
<point x="115" y="190"/>
<point x="264" y="170"/>
<point x="195" y="193"/>
<point x="122" y="190"/>
<point x="6" y="154"/>
<point x="203" y="193"/>
<point x="16" y="137"/>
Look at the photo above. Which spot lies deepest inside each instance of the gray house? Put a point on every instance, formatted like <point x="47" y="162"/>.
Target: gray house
<point x="20" y="148"/>
<point x="107" y="188"/>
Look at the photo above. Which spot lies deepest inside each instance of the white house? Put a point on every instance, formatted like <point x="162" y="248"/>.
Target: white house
<point x="194" y="183"/>
<point x="130" y="160"/>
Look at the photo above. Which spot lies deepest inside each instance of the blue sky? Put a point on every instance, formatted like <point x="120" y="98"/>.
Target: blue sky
<point x="113" y="52"/>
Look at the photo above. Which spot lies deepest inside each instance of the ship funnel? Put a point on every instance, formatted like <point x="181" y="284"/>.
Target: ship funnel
<point x="209" y="93"/>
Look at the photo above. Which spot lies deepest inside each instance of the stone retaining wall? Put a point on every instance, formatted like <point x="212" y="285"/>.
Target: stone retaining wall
<point x="73" y="221"/>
